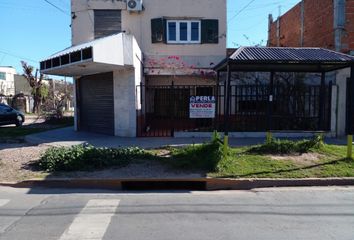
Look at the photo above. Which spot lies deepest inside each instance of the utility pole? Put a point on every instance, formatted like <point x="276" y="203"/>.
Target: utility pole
<point x="278" y="27"/>
<point x="66" y="95"/>
<point x="53" y="83"/>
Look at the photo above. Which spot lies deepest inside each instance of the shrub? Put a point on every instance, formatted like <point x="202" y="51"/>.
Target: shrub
<point x="277" y="146"/>
<point x="202" y="157"/>
<point x="88" y="158"/>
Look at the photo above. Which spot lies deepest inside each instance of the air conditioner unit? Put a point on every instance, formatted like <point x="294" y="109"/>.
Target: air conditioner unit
<point x="135" y="5"/>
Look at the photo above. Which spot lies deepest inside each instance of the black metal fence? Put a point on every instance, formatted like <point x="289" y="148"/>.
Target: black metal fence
<point x="165" y="109"/>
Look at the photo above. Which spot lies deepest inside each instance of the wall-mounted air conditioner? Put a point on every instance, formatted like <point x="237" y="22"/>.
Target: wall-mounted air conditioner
<point x="134" y="5"/>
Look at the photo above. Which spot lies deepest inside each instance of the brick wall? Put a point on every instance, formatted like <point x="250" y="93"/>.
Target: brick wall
<point x="289" y="28"/>
<point x="348" y="36"/>
<point x="318" y="26"/>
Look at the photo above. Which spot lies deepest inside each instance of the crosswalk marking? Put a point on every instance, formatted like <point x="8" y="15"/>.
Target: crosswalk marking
<point x="3" y="202"/>
<point x="93" y="220"/>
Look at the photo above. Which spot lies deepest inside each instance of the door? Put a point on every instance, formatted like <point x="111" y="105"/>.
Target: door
<point x="96" y="104"/>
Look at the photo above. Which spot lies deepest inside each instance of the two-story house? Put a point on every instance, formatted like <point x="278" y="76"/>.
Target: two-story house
<point x="129" y="58"/>
<point x="7" y="85"/>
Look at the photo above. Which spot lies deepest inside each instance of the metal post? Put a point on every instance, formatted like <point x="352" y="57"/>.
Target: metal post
<point x="350" y="147"/>
<point x="216" y="119"/>
<point x="270" y="106"/>
<point x="227" y="109"/>
<point x="329" y="112"/>
<point x="173" y="109"/>
<point x="322" y="102"/>
<point x="350" y="109"/>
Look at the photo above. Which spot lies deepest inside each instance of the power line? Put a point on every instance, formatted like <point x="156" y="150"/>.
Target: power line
<point x="60" y="9"/>
<point x="19" y="57"/>
<point x="233" y="17"/>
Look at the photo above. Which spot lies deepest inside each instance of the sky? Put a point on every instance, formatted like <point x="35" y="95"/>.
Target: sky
<point x="33" y="30"/>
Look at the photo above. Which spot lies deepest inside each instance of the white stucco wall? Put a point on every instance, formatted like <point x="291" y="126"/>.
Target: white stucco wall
<point x="341" y="82"/>
<point x="126" y="94"/>
<point x="7" y="86"/>
<point x="139" y="25"/>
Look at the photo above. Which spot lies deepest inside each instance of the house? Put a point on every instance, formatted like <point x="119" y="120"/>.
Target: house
<point x="22" y="85"/>
<point x="312" y="23"/>
<point x="7" y="85"/>
<point x="325" y="24"/>
<point x="134" y="62"/>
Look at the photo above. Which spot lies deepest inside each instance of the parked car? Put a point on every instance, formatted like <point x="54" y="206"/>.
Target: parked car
<point x="9" y="115"/>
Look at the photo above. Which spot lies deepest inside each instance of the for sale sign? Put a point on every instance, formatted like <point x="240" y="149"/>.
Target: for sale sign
<point x="202" y="107"/>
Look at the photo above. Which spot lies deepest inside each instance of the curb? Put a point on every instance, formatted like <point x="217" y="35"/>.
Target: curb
<point x="201" y="184"/>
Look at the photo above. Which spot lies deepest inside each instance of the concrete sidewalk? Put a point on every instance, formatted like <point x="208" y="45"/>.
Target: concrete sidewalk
<point x="68" y="137"/>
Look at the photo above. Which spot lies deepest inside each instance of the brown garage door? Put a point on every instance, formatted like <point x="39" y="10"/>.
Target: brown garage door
<point x="95" y="101"/>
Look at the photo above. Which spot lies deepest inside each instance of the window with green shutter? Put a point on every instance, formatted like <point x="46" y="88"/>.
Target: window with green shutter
<point x="210" y="31"/>
<point x="158" y="30"/>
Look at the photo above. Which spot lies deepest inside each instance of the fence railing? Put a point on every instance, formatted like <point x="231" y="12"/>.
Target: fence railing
<point x="165" y="109"/>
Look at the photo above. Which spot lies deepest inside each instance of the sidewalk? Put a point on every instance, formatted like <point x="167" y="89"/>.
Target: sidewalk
<point x="68" y="137"/>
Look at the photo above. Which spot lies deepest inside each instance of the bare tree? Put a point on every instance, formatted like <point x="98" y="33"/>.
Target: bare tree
<point x="35" y="83"/>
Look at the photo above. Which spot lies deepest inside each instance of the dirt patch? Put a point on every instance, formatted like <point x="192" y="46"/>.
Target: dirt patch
<point x="16" y="164"/>
<point x="303" y="159"/>
<point x="16" y="159"/>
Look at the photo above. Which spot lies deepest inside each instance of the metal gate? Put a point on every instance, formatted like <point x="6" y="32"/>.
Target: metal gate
<point x="95" y="101"/>
<point x="165" y="109"/>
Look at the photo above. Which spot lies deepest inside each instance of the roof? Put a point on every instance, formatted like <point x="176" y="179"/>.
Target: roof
<point x="299" y="59"/>
<point x="79" y="47"/>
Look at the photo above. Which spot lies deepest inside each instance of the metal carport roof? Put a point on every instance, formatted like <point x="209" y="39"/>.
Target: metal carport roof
<point x="283" y="59"/>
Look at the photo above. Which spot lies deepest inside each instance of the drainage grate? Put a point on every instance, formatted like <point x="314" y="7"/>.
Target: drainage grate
<point x="164" y="185"/>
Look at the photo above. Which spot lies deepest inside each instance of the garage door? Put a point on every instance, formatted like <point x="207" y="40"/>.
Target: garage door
<point x="96" y="109"/>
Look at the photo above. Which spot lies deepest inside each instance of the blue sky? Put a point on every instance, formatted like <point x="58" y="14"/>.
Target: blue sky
<point x="33" y="30"/>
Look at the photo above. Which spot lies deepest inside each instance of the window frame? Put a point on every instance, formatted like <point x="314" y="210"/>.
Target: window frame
<point x="189" y="32"/>
<point x="4" y="75"/>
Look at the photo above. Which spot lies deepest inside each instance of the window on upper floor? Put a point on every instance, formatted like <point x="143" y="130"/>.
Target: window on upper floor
<point x="2" y="76"/>
<point x="107" y="22"/>
<point x="184" y="31"/>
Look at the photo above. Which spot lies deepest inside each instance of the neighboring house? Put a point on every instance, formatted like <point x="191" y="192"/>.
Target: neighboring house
<point x="7" y="86"/>
<point x="320" y="23"/>
<point x="313" y="23"/>
<point x="22" y="85"/>
<point x="132" y="60"/>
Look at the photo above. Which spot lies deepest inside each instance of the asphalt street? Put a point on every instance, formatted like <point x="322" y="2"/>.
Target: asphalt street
<point x="283" y="213"/>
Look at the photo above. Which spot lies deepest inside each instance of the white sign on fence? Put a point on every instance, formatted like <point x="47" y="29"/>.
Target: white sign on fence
<point x="202" y="107"/>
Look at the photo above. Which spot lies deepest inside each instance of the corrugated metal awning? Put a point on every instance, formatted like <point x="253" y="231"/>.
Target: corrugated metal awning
<point x="285" y="59"/>
<point x="104" y="54"/>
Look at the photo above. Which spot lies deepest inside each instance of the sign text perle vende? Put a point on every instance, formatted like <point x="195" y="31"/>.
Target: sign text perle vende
<point x="202" y="107"/>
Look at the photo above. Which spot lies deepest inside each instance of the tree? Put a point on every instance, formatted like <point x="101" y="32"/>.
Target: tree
<point x="38" y="92"/>
<point x="59" y="94"/>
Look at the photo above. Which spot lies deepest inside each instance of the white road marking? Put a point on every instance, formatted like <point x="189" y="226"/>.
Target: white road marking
<point x="3" y="202"/>
<point x="93" y="220"/>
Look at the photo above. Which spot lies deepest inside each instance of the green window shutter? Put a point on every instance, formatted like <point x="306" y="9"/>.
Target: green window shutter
<point x="158" y="30"/>
<point x="210" y="31"/>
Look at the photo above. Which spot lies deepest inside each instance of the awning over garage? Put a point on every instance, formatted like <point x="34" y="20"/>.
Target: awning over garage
<point x="101" y="55"/>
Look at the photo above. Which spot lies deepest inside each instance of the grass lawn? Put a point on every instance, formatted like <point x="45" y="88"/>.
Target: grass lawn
<point x="18" y="132"/>
<point x="326" y="161"/>
<point x="331" y="162"/>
